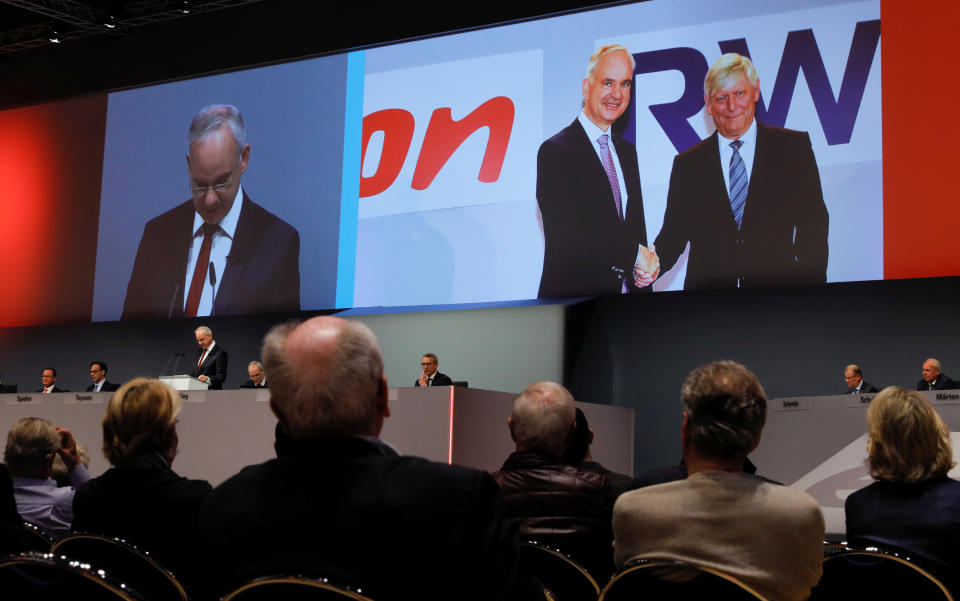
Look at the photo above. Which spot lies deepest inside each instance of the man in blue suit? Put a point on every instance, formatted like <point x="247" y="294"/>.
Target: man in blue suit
<point x="218" y="253"/>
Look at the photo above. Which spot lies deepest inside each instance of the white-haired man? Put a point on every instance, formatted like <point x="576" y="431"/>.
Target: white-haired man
<point x="561" y="505"/>
<point x="218" y="253"/>
<point x="747" y="199"/>
<point x="338" y="502"/>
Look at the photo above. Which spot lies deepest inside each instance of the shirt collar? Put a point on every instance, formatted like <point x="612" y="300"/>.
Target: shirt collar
<point x="228" y="225"/>
<point x="593" y="132"/>
<point x="748" y="137"/>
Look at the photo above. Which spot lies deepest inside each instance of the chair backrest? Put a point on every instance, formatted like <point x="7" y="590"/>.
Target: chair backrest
<point x="876" y="574"/>
<point x="36" y="537"/>
<point x="672" y="580"/>
<point x="561" y="575"/>
<point x="292" y="588"/>
<point x="50" y="577"/>
<point x="125" y="561"/>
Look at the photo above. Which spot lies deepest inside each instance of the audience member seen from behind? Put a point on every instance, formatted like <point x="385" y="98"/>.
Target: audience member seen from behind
<point x="141" y="499"/>
<point x="578" y="454"/>
<point x="560" y="505"/>
<point x="767" y="535"/>
<point x="32" y="444"/>
<point x="913" y="507"/>
<point x="340" y="503"/>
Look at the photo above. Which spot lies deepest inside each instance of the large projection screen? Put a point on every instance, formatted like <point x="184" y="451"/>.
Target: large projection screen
<point x="408" y="173"/>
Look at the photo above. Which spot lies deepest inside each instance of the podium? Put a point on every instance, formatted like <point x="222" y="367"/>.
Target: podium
<point x="184" y="382"/>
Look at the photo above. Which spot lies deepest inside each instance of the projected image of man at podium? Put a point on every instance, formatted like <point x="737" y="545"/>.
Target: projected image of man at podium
<point x="211" y="365"/>
<point x="218" y="253"/>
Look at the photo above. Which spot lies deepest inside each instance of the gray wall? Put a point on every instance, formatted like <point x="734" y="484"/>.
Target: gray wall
<point x="636" y="351"/>
<point x="497" y="349"/>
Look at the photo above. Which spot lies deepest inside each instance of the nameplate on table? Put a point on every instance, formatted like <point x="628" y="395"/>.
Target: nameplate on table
<point x="946" y="397"/>
<point x="780" y="405"/>
<point x="858" y="400"/>
<point x="23" y="399"/>
<point x="89" y="398"/>
<point x="192" y="396"/>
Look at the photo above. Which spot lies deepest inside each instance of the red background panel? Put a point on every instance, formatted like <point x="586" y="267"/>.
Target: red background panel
<point x="51" y="158"/>
<point x="921" y="163"/>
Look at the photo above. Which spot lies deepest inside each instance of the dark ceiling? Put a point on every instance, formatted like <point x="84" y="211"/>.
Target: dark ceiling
<point x="154" y="40"/>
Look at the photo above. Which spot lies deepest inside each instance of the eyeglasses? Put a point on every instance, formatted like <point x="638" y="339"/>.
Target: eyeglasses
<point x="201" y="191"/>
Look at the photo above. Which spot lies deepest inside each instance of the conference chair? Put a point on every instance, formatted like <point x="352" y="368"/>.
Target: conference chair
<point x="293" y="588"/>
<point x="50" y="577"/>
<point x="872" y="573"/>
<point x="37" y="538"/>
<point x="125" y="561"/>
<point x="654" y="579"/>
<point x="559" y="573"/>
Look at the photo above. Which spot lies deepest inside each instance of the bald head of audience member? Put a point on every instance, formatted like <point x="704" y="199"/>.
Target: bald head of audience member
<point x="543" y="419"/>
<point x="724" y="409"/>
<point x="326" y="378"/>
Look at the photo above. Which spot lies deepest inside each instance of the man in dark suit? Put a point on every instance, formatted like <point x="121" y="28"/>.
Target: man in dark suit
<point x="747" y="198"/>
<point x="258" y="378"/>
<point x="933" y="378"/>
<point x="49" y="379"/>
<point x="855" y="382"/>
<point x="219" y="253"/>
<point x="588" y="190"/>
<point x="430" y="376"/>
<point x="98" y="373"/>
<point x="339" y="502"/>
<point x="211" y="364"/>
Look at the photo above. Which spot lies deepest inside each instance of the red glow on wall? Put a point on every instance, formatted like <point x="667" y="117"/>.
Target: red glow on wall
<point x="28" y="176"/>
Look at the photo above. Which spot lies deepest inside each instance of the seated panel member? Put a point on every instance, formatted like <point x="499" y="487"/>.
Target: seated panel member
<point x="588" y="191"/>
<point x="339" y="502"/>
<point x="855" y="382"/>
<point x="768" y="536"/>
<point x="748" y="198"/>
<point x="933" y="378"/>
<point x="430" y="376"/>
<point x="211" y="363"/>
<point x="218" y="253"/>
<point x="98" y="373"/>
<point x="48" y="377"/>
<point x="258" y="379"/>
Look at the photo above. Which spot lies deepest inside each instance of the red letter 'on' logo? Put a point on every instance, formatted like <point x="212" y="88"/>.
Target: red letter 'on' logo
<point x="397" y="127"/>
<point x="444" y="136"/>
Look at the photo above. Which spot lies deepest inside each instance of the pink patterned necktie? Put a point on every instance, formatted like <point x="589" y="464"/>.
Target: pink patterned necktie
<point x="607" y="160"/>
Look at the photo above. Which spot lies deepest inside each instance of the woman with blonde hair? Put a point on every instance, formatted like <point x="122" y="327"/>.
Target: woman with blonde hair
<point x="141" y="499"/>
<point x="913" y="507"/>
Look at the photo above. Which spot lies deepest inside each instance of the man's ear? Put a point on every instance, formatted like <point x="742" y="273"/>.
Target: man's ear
<point x="383" y="406"/>
<point x="685" y="429"/>
<point x="276" y="411"/>
<point x="510" y="425"/>
<point x="244" y="158"/>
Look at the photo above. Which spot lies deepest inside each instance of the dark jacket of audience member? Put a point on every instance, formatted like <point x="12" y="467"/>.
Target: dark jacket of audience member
<point x="913" y="507"/>
<point x="560" y="505"/>
<point x="141" y="499"/>
<point x="578" y="454"/>
<point x="12" y="536"/>
<point x="339" y="503"/>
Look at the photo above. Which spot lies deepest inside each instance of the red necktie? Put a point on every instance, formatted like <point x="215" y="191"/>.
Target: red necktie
<point x="200" y="271"/>
<point x="203" y="356"/>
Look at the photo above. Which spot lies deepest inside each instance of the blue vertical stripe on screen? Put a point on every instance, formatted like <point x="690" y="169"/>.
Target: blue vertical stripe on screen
<point x="350" y="182"/>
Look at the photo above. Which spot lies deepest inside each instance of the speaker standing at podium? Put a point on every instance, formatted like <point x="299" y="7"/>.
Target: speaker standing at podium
<point x="211" y="363"/>
<point x="430" y="375"/>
